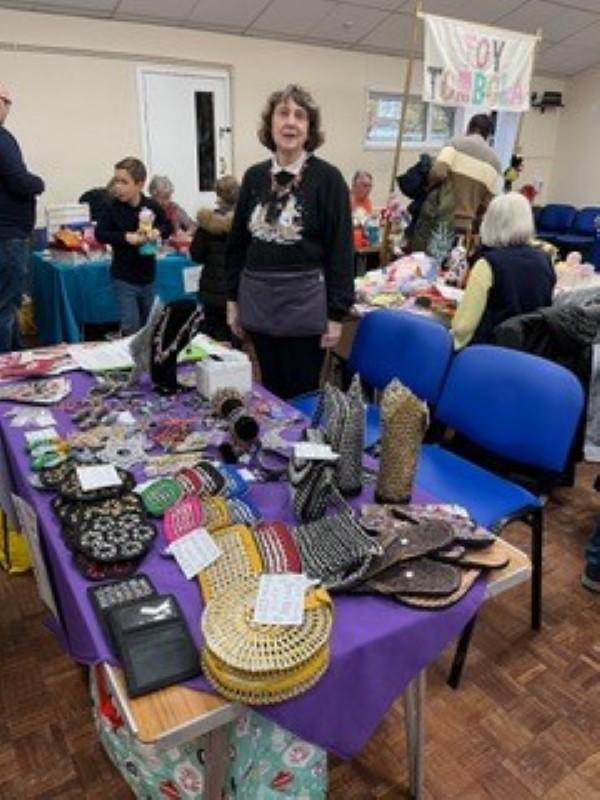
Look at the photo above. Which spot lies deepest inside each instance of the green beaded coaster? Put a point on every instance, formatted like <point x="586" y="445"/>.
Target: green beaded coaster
<point x="160" y="495"/>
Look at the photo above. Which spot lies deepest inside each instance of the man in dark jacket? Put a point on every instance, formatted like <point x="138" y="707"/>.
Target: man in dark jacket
<point x="18" y="190"/>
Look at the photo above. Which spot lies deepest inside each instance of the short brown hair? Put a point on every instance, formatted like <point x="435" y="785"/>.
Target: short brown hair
<point x="228" y="190"/>
<point x="481" y="124"/>
<point x="134" y="167"/>
<point x="304" y="99"/>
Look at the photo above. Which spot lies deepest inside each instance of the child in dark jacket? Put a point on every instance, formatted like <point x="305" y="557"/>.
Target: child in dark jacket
<point x="132" y="224"/>
<point x="208" y="249"/>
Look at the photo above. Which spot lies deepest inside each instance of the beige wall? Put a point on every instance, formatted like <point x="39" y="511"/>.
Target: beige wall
<point x="76" y="108"/>
<point x="538" y="140"/>
<point x="576" y="174"/>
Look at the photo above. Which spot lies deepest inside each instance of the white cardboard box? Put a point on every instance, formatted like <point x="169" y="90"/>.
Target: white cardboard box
<point x="227" y="370"/>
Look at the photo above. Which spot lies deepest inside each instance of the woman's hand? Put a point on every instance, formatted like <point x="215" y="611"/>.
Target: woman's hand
<point x="233" y="319"/>
<point x="332" y="335"/>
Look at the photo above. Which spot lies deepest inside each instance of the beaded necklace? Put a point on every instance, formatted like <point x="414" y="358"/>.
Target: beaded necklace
<point x="162" y="353"/>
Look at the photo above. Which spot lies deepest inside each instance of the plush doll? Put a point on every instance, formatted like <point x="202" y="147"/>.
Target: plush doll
<point x="149" y="246"/>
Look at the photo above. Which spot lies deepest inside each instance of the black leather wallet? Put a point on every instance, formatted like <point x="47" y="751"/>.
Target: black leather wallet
<point x="109" y="595"/>
<point x="154" y="644"/>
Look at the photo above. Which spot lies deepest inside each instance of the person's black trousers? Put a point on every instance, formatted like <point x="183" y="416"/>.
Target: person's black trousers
<point x="289" y="365"/>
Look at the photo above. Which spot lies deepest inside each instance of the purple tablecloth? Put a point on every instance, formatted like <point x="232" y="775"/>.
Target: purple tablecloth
<point x="377" y="647"/>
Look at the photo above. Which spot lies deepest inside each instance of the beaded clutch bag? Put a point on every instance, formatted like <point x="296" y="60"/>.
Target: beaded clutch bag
<point x="122" y="537"/>
<point x="335" y="549"/>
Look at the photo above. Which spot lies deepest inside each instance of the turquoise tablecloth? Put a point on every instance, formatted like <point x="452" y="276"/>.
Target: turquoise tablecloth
<point x="66" y="297"/>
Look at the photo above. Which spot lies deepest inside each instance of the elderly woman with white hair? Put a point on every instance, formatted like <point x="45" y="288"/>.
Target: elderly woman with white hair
<point x="511" y="276"/>
<point x="161" y="189"/>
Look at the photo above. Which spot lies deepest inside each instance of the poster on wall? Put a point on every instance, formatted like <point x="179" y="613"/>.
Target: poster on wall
<point x="475" y="65"/>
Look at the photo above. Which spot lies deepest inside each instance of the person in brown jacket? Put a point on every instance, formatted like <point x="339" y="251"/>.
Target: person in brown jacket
<point x="474" y="170"/>
<point x="208" y="249"/>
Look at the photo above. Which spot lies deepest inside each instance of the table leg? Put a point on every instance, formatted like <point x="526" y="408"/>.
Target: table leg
<point x="414" y="706"/>
<point x="215" y="762"/>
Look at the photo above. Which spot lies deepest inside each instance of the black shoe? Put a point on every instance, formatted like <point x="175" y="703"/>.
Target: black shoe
<point x="590" y="578"/>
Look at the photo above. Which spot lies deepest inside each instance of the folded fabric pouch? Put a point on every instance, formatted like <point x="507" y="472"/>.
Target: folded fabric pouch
<point x="154" y="644"/>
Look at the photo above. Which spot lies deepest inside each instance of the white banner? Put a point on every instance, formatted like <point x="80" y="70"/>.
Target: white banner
<point x="475" y="65"/>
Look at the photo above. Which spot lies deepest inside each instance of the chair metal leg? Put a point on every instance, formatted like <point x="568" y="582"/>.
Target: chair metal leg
<point x="537" y="536"/>
<point x="414" y="716"/>
<point x="460" y="654"/>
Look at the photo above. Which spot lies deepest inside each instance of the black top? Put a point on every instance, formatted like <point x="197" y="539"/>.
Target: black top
<point x="18" y="189"/>
<point x="116" y="220"/>
<point x="524" y="279"/>
<point x="311" y="228"/>
<point x="208" y="248"/>
<point x="97" y="199"/>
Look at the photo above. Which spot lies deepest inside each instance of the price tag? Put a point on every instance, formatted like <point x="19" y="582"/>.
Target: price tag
<point x="314" y="452"/>
<point x="98" y="477"/>
<point x="40" y="435"/>
<point x="194" y="552"/>
<point x="191" y="279"/>
<point x="280" y="599"/>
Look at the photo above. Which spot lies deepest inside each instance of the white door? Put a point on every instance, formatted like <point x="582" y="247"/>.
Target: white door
<point x="186" y="131"/>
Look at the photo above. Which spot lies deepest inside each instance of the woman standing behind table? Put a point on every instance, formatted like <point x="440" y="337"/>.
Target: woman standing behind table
<point x="289" y="255"/>
<point x="510" y="278"/>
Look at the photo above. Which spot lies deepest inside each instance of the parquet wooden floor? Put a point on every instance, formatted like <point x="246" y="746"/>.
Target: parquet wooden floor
<point x="525" y="724"/>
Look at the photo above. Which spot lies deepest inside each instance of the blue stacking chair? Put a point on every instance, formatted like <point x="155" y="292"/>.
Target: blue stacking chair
<point x="394" y="344"/>
<point x="514" y="406"/>
<point x="554" y="220"/>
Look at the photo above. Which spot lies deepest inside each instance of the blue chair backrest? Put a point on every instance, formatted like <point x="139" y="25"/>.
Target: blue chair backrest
<point x="556" y="217"/>
<point x="400" y="344"/>
<point x="516" y="405"/>
<point x="583" y="224"/>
